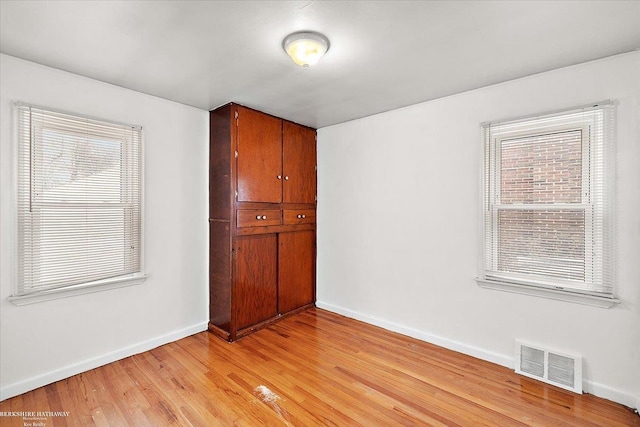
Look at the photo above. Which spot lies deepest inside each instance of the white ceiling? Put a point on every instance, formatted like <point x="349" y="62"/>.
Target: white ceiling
<point x="383" y="55"/>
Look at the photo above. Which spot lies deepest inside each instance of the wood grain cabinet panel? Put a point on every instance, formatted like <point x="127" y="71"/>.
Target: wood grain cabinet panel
<point x="258" y="217"/>
<point x="262" y="216"/>
<point x="257" y="279"/>
<point x="259" y="156"/>
<point x="296" y="267"/>
<point x="299" y="216"/>
<point x="299" y="164"/>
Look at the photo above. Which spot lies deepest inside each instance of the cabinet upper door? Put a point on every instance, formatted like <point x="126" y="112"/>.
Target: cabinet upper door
<point x="299" y="163"/>
<point x="259" y="157"/>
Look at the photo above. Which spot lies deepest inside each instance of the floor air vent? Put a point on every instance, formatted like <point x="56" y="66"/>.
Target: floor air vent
<point x="550" y="366"/>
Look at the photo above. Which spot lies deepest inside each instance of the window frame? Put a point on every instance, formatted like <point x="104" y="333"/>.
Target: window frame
<point x="22" y="296"/>
<point x="593" y="150"/>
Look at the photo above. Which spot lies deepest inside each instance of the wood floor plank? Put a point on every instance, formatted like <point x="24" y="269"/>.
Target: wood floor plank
<point x="88" y="409"/>
<point x="104" y="409"/>
<point x="189" y="380"/>
<point x="352" y="391"/>
<point x="154" y="394"/>
<point x="454" y="408"/>
<point x="329" y="391"/>
<point x="465" y="385"/>
<point x="127" y="396"/>
<point x="315" y="368"/>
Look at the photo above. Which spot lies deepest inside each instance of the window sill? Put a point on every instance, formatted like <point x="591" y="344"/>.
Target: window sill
<point x="86" y="288"/>
<point x="556" y="294"/>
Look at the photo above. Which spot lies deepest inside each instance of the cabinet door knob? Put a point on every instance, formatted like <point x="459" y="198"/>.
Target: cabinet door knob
<point x="264" y="217"/>
<point x="286" y="177"/>
<point x="279" y="176"/>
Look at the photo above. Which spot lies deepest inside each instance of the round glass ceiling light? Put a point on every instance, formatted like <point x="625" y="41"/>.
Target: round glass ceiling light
<point x="305" y="47"/>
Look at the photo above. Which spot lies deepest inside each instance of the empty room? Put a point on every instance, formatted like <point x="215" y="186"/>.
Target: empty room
<point x="319" y="213"/>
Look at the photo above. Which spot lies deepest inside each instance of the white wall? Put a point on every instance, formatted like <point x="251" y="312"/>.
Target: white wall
<point x="44" y="342"/>
<point x="398" y="228"/>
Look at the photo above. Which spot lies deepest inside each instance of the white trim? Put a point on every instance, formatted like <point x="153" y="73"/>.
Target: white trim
<point x="623" y="397"/>
<point x="449" y="344"/>
<point x="11" y="390"/>
<point x="515" y="120"/>
<point x="610" y="393"/>
<point x="17" y="103"/>
<point x="556" y="294"/>
<point x="70" y="291"/>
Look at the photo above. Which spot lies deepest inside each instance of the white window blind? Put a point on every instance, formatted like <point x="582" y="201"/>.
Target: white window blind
<point x="548" y="201"/>
<point x="79" y="200"/>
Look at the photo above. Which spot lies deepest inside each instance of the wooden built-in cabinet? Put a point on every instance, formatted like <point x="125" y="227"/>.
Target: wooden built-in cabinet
<point x="262" y="218"/>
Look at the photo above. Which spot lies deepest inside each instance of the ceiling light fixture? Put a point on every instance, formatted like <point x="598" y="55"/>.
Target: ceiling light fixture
<point x="305" y="47"/>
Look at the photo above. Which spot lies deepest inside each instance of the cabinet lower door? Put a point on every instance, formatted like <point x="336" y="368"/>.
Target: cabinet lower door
<point x="256" y="292"/>
<point x="296" y="269"/>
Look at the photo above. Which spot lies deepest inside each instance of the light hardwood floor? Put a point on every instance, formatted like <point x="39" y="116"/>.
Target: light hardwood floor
<point x="314" y="368"/>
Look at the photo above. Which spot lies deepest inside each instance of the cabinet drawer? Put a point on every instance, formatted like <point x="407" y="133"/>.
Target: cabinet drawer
<point x="299" y="216"/>
<point x="258" y="217"/>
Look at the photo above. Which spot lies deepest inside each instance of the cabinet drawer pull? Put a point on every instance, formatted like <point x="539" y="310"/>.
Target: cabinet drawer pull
<point x="258" y="217"/>
<point x="301" y="216"/>
<point x="264" y="217"/>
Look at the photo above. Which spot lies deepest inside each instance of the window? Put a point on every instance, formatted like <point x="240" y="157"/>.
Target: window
<point x="548" y="203"/>
<point x="79" y="202"/>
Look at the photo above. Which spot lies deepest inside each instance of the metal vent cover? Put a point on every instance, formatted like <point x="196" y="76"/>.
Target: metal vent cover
<point x="553" y="367"/>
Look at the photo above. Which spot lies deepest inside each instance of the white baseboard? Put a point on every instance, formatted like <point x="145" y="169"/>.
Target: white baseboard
<point x="610" y="393"/>
<point x="11" y="390"/>
<point x="500" y="359"/>
<point x="600" y="390"/>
